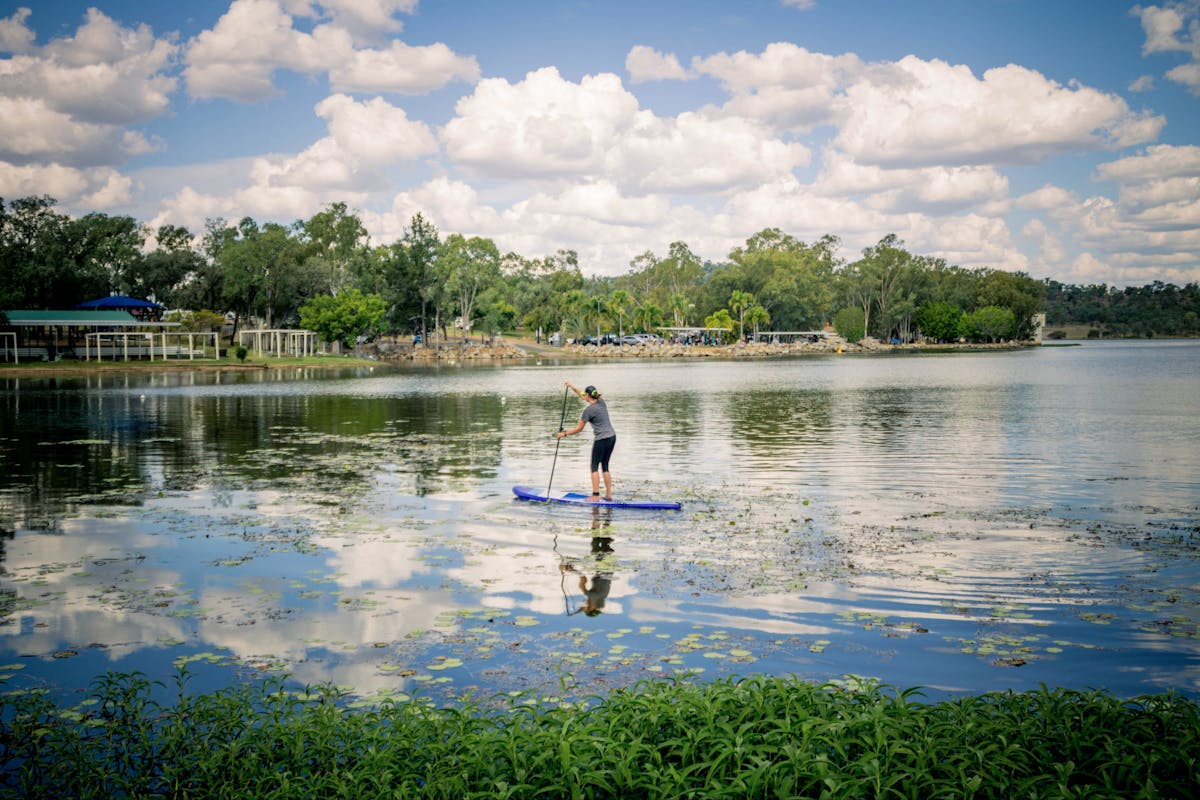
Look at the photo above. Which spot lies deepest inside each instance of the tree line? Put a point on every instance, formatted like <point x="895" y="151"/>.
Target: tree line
<point x="1156" y="309"/>
<point x="324" y="273"/>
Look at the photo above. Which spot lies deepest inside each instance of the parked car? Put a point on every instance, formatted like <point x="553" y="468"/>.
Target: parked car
<point x="630" y="339"/>
<point x="648" y="338"/>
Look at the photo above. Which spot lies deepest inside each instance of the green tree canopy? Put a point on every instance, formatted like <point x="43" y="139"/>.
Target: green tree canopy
<point x="939" y="321"/>
<point x="465" y="268"/>
<point x="988" y="324"/>
<point x="344" y="318"/>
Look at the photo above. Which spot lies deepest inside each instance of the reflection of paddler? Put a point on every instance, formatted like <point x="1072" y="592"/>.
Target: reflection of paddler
<point x="594" y="597"/>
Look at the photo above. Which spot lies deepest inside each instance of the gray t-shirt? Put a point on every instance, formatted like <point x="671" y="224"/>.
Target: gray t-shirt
<point x="597" y="414"/>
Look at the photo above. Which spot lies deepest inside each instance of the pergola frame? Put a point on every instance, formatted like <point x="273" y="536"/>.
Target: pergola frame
<point x="4" y="336"/>
<point x="281" y="341"/>
<point x="123" y="336"/>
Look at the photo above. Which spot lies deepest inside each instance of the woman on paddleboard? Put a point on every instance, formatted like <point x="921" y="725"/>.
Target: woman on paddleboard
<point x="605" y="437"/>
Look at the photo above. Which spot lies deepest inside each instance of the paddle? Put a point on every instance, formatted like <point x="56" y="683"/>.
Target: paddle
<point x="557" y="441"/>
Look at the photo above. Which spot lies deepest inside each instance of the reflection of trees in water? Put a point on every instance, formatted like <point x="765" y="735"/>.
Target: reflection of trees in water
<point x="70" y="443"/>
<point x="63" y="448"/>
<point x="336" y="441"/>
<point x="774" y="418"/>
<point x="674" y="417"/>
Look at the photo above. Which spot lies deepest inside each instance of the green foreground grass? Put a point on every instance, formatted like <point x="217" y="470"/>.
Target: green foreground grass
<point x="757" y="737"/>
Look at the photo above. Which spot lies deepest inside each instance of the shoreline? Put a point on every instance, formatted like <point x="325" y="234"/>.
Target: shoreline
<point x="71" y="367"/>
<point x="517" y="350"/>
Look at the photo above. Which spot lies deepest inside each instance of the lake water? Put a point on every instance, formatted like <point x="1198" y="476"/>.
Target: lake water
<point x="962" y="522"/>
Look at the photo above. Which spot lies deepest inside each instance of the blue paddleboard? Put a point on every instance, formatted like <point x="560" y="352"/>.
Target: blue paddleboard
<point x="576" y="498"/>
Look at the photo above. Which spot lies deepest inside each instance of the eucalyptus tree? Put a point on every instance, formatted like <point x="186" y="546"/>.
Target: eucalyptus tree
<point x="417" y="280"/>
<point x="262" y="274"/>
<point x="497" y="314"/>
<point x="164" y="271"/>
<point x="335" y="245"/>
<point x="952" y="284"/>
<point x="464" y="269"/>
<point x="203" y="286"/>
<point x="857" y="289"/>
<point x="107" y="247"/>
<point x="539" y="286"/>
<point x="886" y="266"/>
<point x="655" y="280"/>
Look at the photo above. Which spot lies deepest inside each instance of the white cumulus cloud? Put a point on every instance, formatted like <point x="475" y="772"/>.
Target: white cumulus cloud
<point x="70" y="102"/>
<point x="786" y="85"/>
<point x="239" y="56"/>
<point x="647" y="64"/>
<point x="931" y="112"/>
<point x="545" y="126"/>
<point x="1174" y="27"/>
<point x="15" y="35"/>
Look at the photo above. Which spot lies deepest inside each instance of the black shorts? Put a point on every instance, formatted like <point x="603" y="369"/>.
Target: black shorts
<point x="602" y="451"/>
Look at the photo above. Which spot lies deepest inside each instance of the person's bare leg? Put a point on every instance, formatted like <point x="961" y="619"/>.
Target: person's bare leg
<point x="607" y="486"/>
<point x="595" y="486"/>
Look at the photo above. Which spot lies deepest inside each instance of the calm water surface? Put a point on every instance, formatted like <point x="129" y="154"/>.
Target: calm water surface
<point x="961" y="522"/>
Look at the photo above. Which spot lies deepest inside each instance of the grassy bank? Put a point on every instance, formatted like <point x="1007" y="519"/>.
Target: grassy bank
<point x="761" y="737"/>
<point x="70" y="367"/>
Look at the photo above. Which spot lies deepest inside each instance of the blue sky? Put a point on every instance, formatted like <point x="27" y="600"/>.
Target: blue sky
<point x="1061" y="139"/>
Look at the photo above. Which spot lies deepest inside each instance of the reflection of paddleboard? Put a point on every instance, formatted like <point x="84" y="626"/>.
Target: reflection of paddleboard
<point x="575" y="498"/>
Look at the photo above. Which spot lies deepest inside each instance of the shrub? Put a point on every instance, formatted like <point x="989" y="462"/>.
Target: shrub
<point x="851" y="324"/>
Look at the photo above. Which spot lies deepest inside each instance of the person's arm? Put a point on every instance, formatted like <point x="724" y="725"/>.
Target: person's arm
<point x="575" y="390"/>
<point x="571" y="432"/>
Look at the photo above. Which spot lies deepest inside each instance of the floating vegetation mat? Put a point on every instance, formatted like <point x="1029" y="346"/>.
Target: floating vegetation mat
<point x="760" y="737"/>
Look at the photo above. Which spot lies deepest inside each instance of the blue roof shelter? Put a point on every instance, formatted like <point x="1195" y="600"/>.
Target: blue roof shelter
<point x="141" y="309"/>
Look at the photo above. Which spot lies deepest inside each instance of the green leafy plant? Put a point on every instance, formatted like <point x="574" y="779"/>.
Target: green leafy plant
<point x="851" y="324"/>
<point x="755" y="737"/>
<point x="241" y="352"/>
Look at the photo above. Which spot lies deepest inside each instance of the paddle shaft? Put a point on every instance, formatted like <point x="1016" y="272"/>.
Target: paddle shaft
<point x="557" y="441"/>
